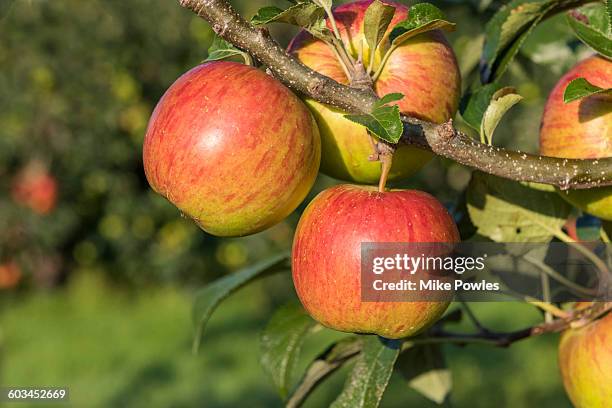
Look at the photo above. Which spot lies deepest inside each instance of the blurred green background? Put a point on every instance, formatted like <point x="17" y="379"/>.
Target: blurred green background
<point x="96" y="289"/>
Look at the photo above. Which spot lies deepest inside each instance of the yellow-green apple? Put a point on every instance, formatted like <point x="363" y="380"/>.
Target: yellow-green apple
<point x="424" y="69"/>
<point x="327" y="256"/>
<point x="232" y="148"/>
<point x="585" y="360"/>
<point x="35" y="187"/>
<point x="582" y="129"/>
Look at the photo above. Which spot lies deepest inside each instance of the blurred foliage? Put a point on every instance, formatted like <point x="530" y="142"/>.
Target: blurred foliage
<point x="78" y="81"/>
<point x="127" y="356"/>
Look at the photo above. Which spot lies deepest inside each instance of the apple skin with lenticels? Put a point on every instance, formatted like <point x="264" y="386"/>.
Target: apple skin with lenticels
<point x="582" y="129"/>
<point x="232" y="148"/>
<point x="424" y="69"/>
<point x="326" y="255"/>
<point x="585" y="360"/>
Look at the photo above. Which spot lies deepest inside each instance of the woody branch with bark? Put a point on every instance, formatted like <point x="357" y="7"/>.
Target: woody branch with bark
<point x="442" y="139"/>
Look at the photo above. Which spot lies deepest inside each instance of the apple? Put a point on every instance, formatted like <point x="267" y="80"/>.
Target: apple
<point x="424" y="69"/>
<point x="35" y="187"/>
<point x="10" y="275"/>
<point x="585" y="360"/>
<point x="582" y="129"/>
<point x="232" y="148"/>
<point x="326" y="256"/>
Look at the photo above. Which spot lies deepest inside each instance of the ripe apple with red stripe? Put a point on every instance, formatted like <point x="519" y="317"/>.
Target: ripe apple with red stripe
<point x="582" y="129"/>
<point x="232" y="148"/>
<point x="585" y="360"/>
<point x="327" y="256"/>
<point x="36" y="188"/>
<point x="424" y="69"/>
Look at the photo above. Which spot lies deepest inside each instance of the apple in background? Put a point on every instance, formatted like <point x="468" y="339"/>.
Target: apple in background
<point x="582" y="129"/>
<point x="424" y="69"/>
<point x="327" y="256"/>
<point x="585" y="360"/>
<point x="10" y="275"/>
<point x="232" y="148"/>
<point x="35" y="187"/>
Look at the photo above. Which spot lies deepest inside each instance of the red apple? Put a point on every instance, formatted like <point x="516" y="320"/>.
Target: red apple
<point x="424" y="69"/>
<point x="232" y="148"/>
<point x="36" y="188"/>
<point x="10" y="275"/>
<point x="582" y="129"/>
<point x="327" y="256"/>
<point x="585" y="360"/>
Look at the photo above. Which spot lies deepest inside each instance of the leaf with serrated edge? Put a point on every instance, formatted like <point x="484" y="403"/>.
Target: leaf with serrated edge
<point x="377" y="18"/>
<point x="425" y="370"/>
<point x="384" y="121"/>
<point x="507" y="30"/>
<point x="208" y="298"/>
<point x="281" y="343"/>
<point x="501" y="102"/>
<point x="370" y="375"/>
<point x="580" y="88"/>
<point x="221" y="49"/>
<point x="422" y="17"/>
<point x="509" y="211"/>
<point x="592" y="34"/>
<point x="302" y="15"/>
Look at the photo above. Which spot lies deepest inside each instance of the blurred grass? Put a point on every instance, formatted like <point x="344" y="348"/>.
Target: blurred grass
<point x="117" y="348"/>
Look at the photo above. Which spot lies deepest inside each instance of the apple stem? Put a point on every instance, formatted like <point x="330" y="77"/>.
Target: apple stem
<point x="386" y="160"/>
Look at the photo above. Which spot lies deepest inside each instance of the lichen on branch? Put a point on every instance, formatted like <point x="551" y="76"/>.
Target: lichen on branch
<point x="444" y="140"/>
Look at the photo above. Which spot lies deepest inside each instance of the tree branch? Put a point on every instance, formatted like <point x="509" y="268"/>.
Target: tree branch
<point x="574" y="319"/>
<point x="443" y="140"/>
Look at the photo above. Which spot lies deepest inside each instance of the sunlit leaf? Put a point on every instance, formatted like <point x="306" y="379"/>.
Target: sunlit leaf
<point x="377" y="18"/>
<point x="384" y="121"/>
<point x="422" y="17"/>
<point x="508" y="211"/>
<point x="500" y="103"/>
<point x="581" y="88"/>
<point x="221" y="49"/>
<point x="425" y="370"/>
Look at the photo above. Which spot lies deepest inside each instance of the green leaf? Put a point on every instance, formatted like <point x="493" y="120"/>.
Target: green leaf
<point x="422" y="17"/>
<point x="507" y="31"/>
<point x="326" y="4"/>
<point x="302" y="15"/>
<point x="580" y="88"/>
<point x="591" y="26"/>
<point x="208" y="298"/>
<point x="384" y="121"/>
<point x="426" y="372"/>
<point x="324" y="365"/>
<point x="501" y="102"/>
<point x="475" y="103"/>
<point x="221" y="49"/>
<point x="377" y="18"/>
<point x="370" y="375"/>
<point x="509" y="211"/>
<point x="281" y="344"/>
